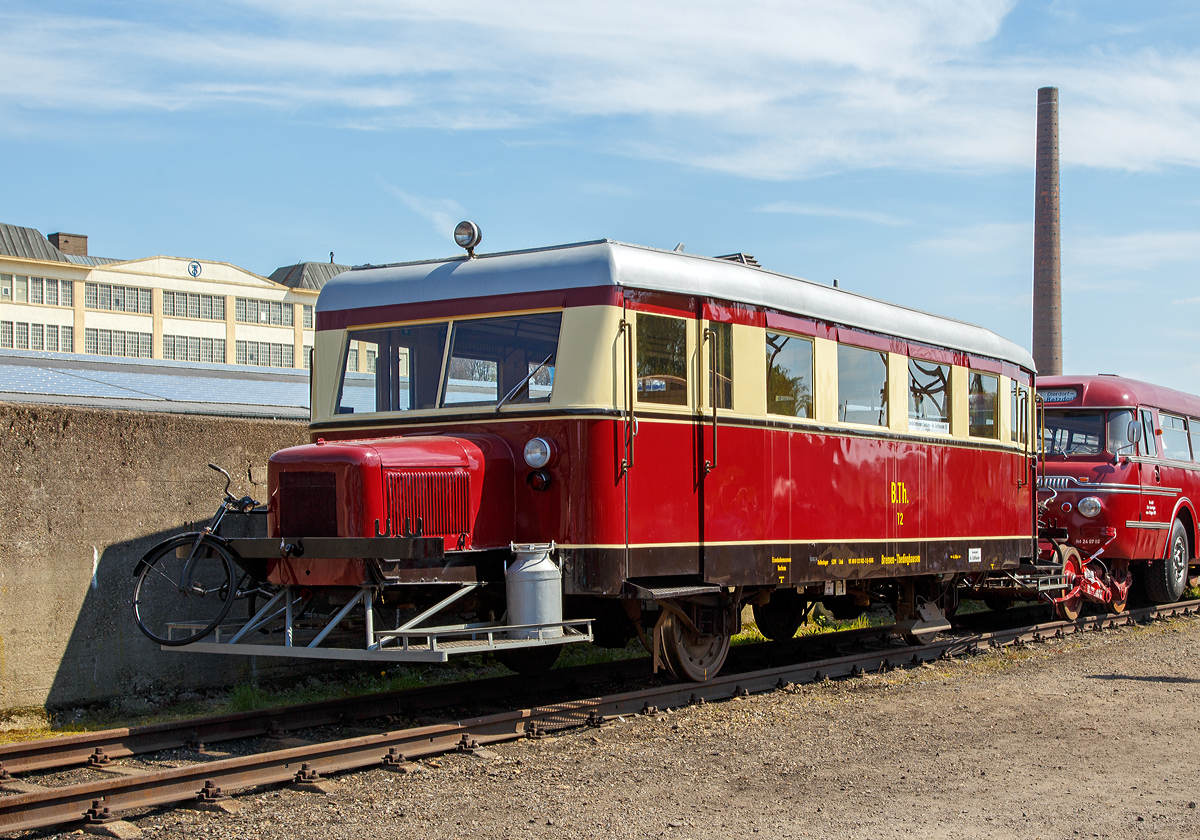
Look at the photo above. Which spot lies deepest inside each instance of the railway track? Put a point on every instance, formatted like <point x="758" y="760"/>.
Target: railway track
<point x="211" y="781"/>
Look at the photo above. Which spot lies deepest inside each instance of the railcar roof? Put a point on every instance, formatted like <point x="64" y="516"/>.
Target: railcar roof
<point x="606" y="262"/>
<point x="1104" y="390"/>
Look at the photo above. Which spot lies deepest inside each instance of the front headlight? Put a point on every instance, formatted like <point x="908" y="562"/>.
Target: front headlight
<point x="1089" y="506"/>
<point x="537" y="453"/>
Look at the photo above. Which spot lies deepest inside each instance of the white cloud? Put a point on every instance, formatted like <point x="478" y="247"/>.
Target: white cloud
<point x="1135" y="251"/>
<point x="765" y="88"/>
<point x="986" y="239"/>
<point x="799" y="209"/>
<point x="442" y="213"/>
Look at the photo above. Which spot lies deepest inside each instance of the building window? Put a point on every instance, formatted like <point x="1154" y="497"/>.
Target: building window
<point x="274" y="312"/>
<point x="22" y="336"/>
<point x="264" y="354"/>
<point x="52" y="337"/>
<point x="113" y="343"/>
<point x="982" y="405"/>
<point x="308" y="357"/>
<point x="928" y="397"/>
<point x="188" y="305"/>
<point x="789" y="375"/>
<point x="20" y="290"/>
<point x="67" y="296"/>
<point x="37" y="337"/>
<point x="308" y="317"/>
<point x="6" y="334"/>
<point x="352" y="359"/>
<point x="862" y="386"/>
<point x="6" y="288"/>
<point x="51" y="292"/>
<point x="66" y="339"/>
<point x="116" y="298"/>
<point x="36" y="286"/>
<point x="662" y="360"/>
<point x="370" y="360"/>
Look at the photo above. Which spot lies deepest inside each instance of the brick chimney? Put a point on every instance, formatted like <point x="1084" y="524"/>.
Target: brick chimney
<point x="74" y="244"/>
<point x="1047" y="258"/>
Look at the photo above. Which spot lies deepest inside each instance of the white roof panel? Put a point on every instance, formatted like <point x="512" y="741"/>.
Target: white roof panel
<point x="605" y="262"/>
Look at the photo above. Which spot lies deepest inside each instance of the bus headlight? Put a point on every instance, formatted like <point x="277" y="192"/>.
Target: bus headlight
<point x="538" y="452"/>
<point x="1089" y="506"/>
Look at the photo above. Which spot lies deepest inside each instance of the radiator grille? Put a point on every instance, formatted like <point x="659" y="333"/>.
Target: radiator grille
<point x="308" y="504"/>
<point x="438" y="497"/>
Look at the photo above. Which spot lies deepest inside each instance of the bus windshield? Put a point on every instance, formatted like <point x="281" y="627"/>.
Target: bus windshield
<point x="1085" y="432"/>
<point x="406" y="368"/>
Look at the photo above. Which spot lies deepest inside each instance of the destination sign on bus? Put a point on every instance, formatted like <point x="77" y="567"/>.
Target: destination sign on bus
<point x="1058" y="395"/>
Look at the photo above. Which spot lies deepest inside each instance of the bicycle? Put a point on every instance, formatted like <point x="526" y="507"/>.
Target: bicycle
<point x="185" y="585"/>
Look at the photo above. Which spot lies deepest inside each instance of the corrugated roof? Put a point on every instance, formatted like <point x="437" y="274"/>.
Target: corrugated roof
<point x="307" y="275"/>
<point x="27" y="243"/>
<point x="82" y="260"/>
<point x="606" y="262"/>
<point x="153" y="385"/>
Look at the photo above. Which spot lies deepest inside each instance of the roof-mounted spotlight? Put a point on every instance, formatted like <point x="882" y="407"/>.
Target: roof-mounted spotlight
<point x="468" y="235"/>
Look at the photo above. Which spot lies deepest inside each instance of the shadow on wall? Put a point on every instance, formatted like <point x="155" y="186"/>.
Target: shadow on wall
<point x="107" y="656"/>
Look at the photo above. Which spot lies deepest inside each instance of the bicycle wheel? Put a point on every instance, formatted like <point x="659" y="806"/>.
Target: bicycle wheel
<point x="173" y="611"/>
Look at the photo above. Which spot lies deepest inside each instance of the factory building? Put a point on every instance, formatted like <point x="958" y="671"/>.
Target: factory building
<point x="56" y="298"/>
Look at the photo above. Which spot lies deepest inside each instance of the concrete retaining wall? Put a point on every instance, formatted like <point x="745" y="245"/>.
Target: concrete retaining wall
<point x="84" y="493"/>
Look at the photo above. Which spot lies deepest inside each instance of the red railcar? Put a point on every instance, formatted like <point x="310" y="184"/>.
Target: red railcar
<point x="1122" y="481"/>
<point x="690" y="434"/>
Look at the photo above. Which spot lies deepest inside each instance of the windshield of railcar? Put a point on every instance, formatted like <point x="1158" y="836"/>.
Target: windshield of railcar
<point x="1086" y="433"/>
<point x="451" y="364"/>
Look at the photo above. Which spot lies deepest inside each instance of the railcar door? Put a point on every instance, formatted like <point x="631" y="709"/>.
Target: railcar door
<point x="1156" y="504"/>
<point x="661" y="478"/>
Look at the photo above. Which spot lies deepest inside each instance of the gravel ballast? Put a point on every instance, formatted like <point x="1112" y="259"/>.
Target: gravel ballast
<point x="1091" y="736"/>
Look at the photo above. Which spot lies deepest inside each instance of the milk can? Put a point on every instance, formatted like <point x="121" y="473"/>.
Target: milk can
<point x="533" y="586"/>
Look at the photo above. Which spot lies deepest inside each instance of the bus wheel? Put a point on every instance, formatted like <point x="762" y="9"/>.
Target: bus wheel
<point x="531" y="661"/>
<point x="692" y="658"/>
<point x="1166" y="578"/>
<point x="1069" y="609"/>
<point x="781" y="617"/>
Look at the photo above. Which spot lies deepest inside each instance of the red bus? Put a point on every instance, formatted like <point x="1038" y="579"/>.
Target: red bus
<point x="681" y="435"/>
<point x="1121" y="482"/>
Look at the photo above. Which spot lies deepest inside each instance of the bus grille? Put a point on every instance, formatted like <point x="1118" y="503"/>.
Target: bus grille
<point x="440" y="498"/>
<point x="1057" y="482"/>
<point x="308" y="504"/>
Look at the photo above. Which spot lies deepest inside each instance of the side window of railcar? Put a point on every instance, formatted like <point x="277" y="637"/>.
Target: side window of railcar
<point x="1149" y="442"/>
<point x="1019" y="400"/>
<point x="928" y="396"/>
<point x="862" y="386"/>
<point x="404" y="367"/>
<point x="722" y="334"/>
<point x="789" y="375"/>
<point x="499" y="358"/>
<point x="983" y="403"/>
<point x="1174" y="437"/>
<point x="661" y="359"/>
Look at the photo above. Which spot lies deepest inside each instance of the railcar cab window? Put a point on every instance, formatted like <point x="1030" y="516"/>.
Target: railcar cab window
<point x="862" y="386"/>
<point x="789" y="375"/>
<point x="407" y="370"/>
<point x="982" y="405"/>
<point x="1174" y="437"/>
<point x="502" y="357"/>
<point x="928" y="397"/>
<point x="661" y="359"/>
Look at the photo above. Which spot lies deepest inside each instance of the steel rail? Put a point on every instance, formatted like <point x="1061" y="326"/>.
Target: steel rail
<point x="57" y="806"/>
<point x="104" y="745"/>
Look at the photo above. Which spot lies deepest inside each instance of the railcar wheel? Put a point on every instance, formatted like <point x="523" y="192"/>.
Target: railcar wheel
<point x="172" y="610"/>
<point x="781" y="617"/>
<point x="1167" y="578"/>
<point x="1069" y="609"/>
<point x="530" y="662"/>
<point x="692" y="658"/>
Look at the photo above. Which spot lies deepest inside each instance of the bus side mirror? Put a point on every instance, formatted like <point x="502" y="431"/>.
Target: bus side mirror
<point x="1134" y="432"/>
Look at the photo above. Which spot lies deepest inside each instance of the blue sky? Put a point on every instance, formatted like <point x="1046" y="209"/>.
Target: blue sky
<point x="887" y="144"/>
